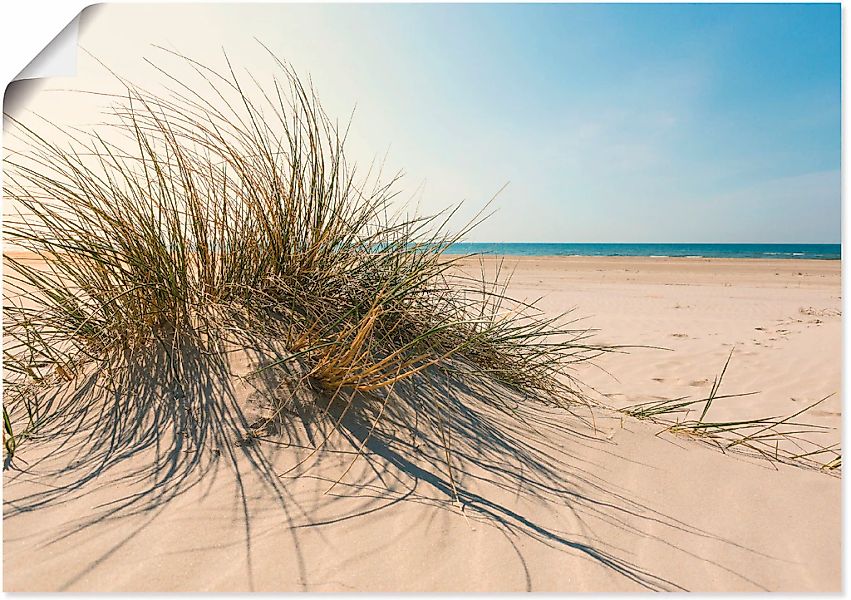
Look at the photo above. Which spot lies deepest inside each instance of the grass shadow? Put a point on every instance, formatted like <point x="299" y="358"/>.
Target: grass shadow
<point x="169" y="422"/>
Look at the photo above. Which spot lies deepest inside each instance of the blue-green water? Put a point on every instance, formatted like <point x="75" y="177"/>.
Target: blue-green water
<point x="816" y="251"/>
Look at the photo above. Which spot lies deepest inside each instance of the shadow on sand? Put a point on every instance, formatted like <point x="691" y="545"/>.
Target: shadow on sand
<point x="156" y="427"/>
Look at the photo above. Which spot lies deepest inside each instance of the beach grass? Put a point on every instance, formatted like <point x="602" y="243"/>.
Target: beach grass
<point x="225" y="210"/>
<point x="774" y="438"/>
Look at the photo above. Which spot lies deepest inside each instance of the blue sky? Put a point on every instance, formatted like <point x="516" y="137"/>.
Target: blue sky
<point x="612" y="123"/>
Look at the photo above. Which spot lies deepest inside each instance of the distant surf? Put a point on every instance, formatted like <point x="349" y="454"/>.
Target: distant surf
<point x="775" y="251"/>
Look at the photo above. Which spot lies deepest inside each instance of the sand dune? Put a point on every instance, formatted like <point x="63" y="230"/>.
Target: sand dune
<point x="166" y="498"/>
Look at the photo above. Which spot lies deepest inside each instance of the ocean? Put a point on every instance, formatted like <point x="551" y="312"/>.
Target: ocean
<point x="812" y="251"/>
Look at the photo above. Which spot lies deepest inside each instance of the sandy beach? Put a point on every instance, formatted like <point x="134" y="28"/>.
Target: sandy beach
<point x="782" y="318"/>
<point x="590" y="501"/>
<point x="258" y="334"/>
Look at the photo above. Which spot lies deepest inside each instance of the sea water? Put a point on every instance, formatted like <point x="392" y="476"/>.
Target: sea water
<point x="801" y="251"/>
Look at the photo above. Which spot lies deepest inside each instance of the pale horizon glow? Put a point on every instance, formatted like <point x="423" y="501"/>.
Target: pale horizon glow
<point x="691" y="123"/>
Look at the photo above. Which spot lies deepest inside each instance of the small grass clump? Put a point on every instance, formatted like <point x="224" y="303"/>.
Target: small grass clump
<point x="224" y="211"/>
<point x="776" y="439"/>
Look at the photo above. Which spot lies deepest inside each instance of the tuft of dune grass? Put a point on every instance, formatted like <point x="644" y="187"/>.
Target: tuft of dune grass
<point x="776" y="439"/>
<point x="224" y="210"/>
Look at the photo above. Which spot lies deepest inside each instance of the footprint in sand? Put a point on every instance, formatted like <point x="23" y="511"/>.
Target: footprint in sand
<point x="819" y="312"/>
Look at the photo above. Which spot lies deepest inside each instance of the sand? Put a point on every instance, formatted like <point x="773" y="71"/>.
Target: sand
<point x="781" y="318"/>
<point x="552" y="505"/>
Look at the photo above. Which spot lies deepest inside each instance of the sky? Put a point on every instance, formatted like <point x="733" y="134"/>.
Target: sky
<point x="610" y="123"/>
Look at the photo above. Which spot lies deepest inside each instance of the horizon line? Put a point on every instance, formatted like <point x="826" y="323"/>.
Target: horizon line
<point x="674" y="243"/>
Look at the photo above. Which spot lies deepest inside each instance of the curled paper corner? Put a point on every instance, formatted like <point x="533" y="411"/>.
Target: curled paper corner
<point x="57" y="59"/>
